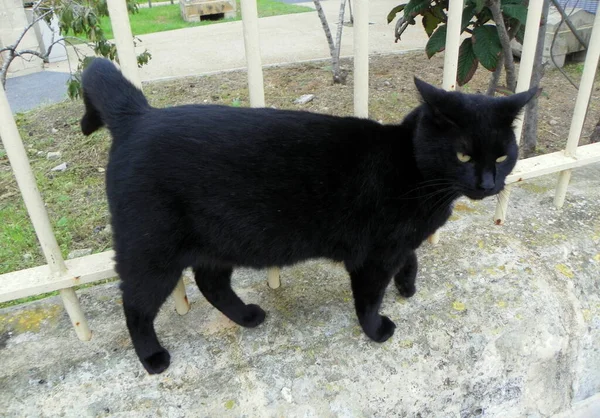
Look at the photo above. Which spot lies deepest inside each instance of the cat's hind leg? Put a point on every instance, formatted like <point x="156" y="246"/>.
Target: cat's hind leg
<point x="215" y="285"/>
<point x="405" y="278"/>
<point x="143" y="295"/>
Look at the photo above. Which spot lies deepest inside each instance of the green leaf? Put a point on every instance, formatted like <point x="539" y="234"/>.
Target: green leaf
<point x="485" y="15"/>
<point x="516" y="11"/>
<point x="436" y="42"/>
<point x="143" y="58"/>
<point x="66" y="18"/>
<point x="479" y="4"/>
<point x="467" y="62"/>
<point x="439" y="11"/>
<point x="430" y="22"/>
<point x="86" y="62"/>
<point x="486" y="46"/>
<point x="467" y="15"/>
<point x="72" y="89"/>
<point x="416" y="7"/>
<point x="392" y="14"/>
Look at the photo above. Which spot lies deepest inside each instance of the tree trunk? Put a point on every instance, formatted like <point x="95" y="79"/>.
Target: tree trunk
<point x="495" y="78"/>
<point x="333" y="50"/>
<point x="530" y="124"/>
<point x="595" y="136"/>
<point x="4" y="70"/>
<point x="509" y="64"/>
<point x="339" y="76"/>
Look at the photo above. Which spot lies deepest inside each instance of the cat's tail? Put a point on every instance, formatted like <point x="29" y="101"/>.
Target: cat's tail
<point x="110" y="99"/>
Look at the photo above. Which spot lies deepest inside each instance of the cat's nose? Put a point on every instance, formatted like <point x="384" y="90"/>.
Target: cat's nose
<point x="486" y="182"/>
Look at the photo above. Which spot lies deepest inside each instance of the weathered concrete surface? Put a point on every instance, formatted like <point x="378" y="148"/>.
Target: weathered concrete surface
<point x="506" y="323"/>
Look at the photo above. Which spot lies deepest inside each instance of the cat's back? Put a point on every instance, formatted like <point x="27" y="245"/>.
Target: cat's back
<point x="222" y="141"/>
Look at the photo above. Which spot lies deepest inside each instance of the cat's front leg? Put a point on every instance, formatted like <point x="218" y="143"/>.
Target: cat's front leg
<point x="368" y="286"/>
<point x="405" y="278"/>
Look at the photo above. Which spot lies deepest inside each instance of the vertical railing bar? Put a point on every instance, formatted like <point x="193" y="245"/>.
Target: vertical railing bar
<point x="532" y="25"/>
<point x="361" y="58"/>
<point x="581" y="105"/>
<point x="455" y="8"/>
<point x="253" y="58"/>
<point x="256" y="84"/>
<point x="182" y="305"/>
<point x="119" y="20"/>
<point x="273" y="278"/>
<point x="11" y="139"/>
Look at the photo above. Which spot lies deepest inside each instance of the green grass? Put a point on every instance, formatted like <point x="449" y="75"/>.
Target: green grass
<point x="74" y="198"/>
<point x="164" y="18"/>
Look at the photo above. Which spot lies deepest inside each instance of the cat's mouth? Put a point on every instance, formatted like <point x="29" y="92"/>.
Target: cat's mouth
<point x="481" y="194"/>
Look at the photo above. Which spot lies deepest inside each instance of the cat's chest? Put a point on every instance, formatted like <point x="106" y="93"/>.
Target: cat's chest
<point x="416" y="225"/>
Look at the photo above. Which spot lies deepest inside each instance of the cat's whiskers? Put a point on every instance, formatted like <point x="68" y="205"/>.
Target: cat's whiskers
<point x="443" y="202"/>
<point x="444" y="196"/>
<point x="423" y="186"/>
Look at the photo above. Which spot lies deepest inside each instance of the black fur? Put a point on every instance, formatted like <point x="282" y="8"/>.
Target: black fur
<point x="216" y="188"/>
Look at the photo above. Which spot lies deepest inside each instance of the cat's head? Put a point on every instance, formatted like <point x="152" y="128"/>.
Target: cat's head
<point x="466" y="140"/>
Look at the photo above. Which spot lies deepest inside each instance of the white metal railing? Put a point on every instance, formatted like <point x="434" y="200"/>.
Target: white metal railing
<point x="63" y="275"/>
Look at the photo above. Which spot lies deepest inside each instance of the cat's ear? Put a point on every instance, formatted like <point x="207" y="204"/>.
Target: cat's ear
<point x="430" y="94"/>
<point x="509" y="107"/>
<point x="437" y="99"/>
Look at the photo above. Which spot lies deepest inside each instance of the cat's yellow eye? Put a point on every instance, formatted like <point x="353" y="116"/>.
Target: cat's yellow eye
<point x="501" y="159"/>
<point x="463" y="158"/>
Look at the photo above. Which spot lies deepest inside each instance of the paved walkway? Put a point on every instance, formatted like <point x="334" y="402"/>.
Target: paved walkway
<point x="37" y="89"/>
<point x="219" y="47"/>
<point x="283" y="39"/>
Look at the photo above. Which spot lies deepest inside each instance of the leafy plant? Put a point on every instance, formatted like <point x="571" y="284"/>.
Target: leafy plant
<point x="487" y="38"/>
<point x="79" y="25"/>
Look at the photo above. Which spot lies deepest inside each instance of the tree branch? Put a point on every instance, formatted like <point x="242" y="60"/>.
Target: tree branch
<point x="509" y="64"/>
<point x="31" y="52"/>
<point x="34" y="21"/>
<point x="37" y="5"/>
<point x="12" y="49"/>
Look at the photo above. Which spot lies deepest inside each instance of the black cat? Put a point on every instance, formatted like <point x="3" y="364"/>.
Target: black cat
<point x="216" y="187"/>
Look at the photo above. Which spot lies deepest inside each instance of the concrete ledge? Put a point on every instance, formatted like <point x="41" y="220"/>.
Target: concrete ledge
<point x="505" y="323"/>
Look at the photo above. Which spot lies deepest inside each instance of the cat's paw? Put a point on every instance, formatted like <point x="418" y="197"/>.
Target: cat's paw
<point x="157" y="362"/>
<point x="382" y="331"/>
<point x="253" y="316"/>
<point x="406" y="290"/>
